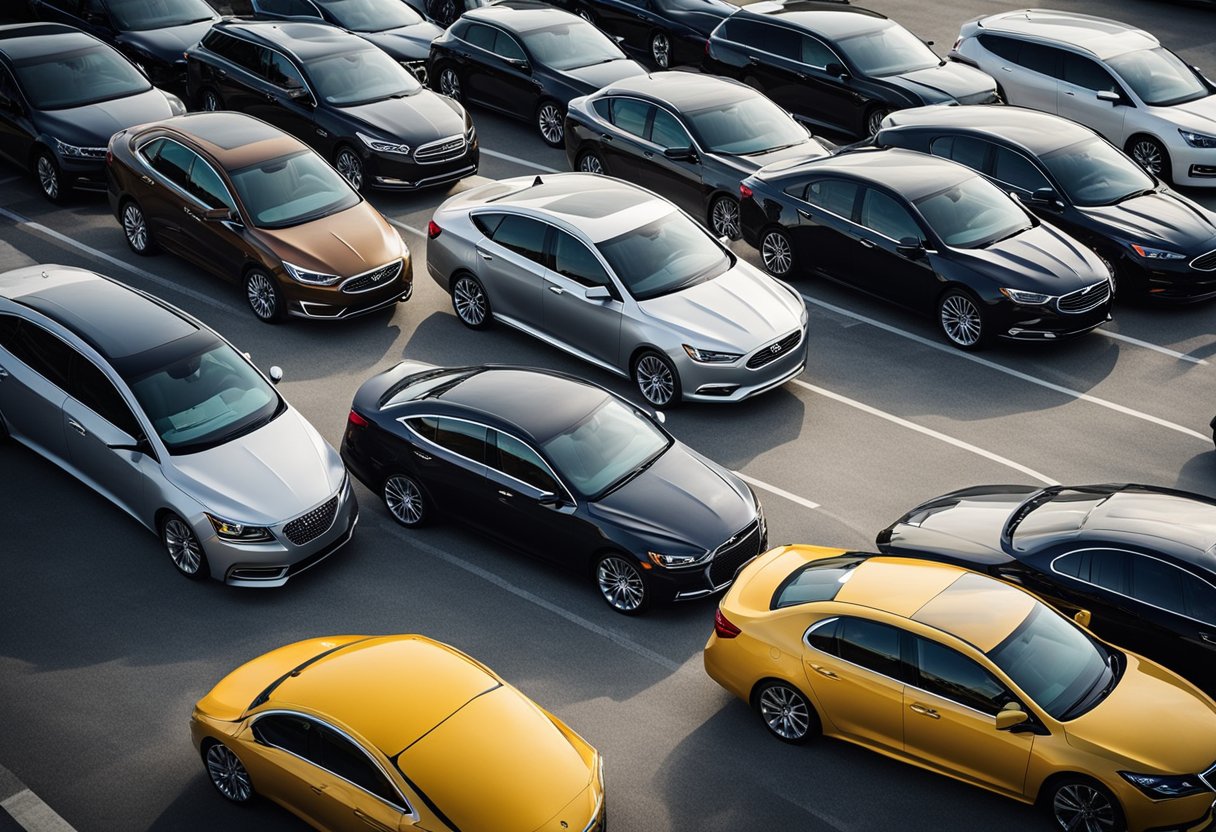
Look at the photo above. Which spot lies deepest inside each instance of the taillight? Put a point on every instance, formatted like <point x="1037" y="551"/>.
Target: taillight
<point x="356" y="420"/>
<point x="433" y="230"/>
<point x="957" y="43"/>
<point x="706" y="47"/>
<point x="745" y="191"/>
<point x="109" y="156"/>
<point x="723" y="627"/>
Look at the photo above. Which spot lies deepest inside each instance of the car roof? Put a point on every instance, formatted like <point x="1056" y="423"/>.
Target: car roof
<point x="833" y="20"/>
<point x="1102" y="37"/>
<point x="521" y="18"/>
<point x="115" y="320"/>
<point x="684" y="91"/>
<point x="1036" y="131"/>
<point x="1180" y="523"/>
<point x="305" y="41"/>
<point x="20" y="41"/>
<point x="908" y="173"/>
<point x="234" y="140"/>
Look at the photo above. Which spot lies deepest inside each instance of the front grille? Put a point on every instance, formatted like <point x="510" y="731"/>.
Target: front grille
<point x="769" y="354"/>
<point x="444" y="150"/>
<point x="374" y="279"/>
<point x="1083" y="300"/>
<point x="1204" y="262"/>
<point x="730" y="556"/>
<point x="306" y="529"/>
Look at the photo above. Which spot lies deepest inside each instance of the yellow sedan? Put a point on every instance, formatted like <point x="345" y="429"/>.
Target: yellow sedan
<point x="395" y="733"/>
<point x="970" y="677"/>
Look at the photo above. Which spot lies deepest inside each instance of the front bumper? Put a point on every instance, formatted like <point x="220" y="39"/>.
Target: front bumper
<point x="1175" y="281"/>
<point x="334" y="303"/>
<point x="1191" y="166"/>
<point x="85" y="173"/>
<point x="1044" y="323"/>
<point x="736" y="381"/>
<point x="714" y="576"/>
<point x="396" y="172"/>
<point x="1182" y="814"/>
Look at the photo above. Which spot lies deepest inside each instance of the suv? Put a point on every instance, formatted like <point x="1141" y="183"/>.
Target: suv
<point x="1107" y="75"/>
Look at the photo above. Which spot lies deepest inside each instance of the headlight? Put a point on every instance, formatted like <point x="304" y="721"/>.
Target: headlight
<point x="227" y="530"/>
<point x="176" y="106"/>
<point x="1157" y="253"/>
<point x="80" y="152"/>
<point x="1165" y="785"/>
<point x="310" y="278"/>
<point x="383" y="146"/>
<point x="675" y="561"/>
<point x="470" y="135"/>
<point x="1027" y="298"/>
<point x="1197" y="139"/>
<point x="710" y="356"/>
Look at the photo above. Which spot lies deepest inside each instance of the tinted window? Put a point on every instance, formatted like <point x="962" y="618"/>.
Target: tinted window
<point x="1015" y="169"/>
<point x="570" y="45"/>
<point x="172" y="161"/>
<point x="523" y="236"/>
<point x="603" y="108"/>
<point x="482" y="36"/>
<point x="515" y="459"/>
<point x="1088" y="74"/>
<point x="574" y="260"/>
<point x="818" y="581"/>
<point x="663" y="256"/>
<point x="464" y="438"/>
<point x="346" y="760"/>
<point x="823" y="637"/>
<point x="290" y="733"/>
<point x="1045" y="59"/>
<point x="281" y="72"/>
<point x="630" y="115"/>
<point x="8" y="331"/>
<point x="667" y="132"/>
<point x="1006" y="48"/>
<point x="870" y="644"/>
<point x="972" y="214"/>
<point x="135" y="15"/>
<point x="8" y="90"/>
<point x="506" y="46"/>
<point x="1171" y="588"/>
<point x="611" y="443"/>
<point x="240" y="52"/>
<point x="95" y="391"/>
<point x="952" y="675"/>
<point x="206" y="184"/>
<point x="965" y="150"/>
<point x="1092" y="172"/>
<point x="487" y="223"/>
<point x="890" y="50"/>
<point x="885" y="215"/>
<point x="815" y="53"/>
<point x="835" y="195"/>
<point x="73" y="79"/>
<point x="427" y="426"/>
<point x="372" y="15"/>
<point x="1199" y="598"/>
<point x="43" y="353"/>
<point x="291" y="190"/>
<point x="1159" y="77"/>
<point x="1102" y="567"/>
<point x="289" y="7"/>
<point x="752" y="124"/>
<point x="351" y="78"/>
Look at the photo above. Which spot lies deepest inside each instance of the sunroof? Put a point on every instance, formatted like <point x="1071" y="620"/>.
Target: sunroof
<point x="819" y="580"/>
<point x="597" y="203"/>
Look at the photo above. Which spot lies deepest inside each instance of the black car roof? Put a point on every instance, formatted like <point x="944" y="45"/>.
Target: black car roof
<point x="27" y="40"/>
<point x="303" y="40"/>
<point x="683" y="91"/>
<point x="1034" y="131"/>
<point x="906" y="172"/>
<point x="520" y="18"/>
<point x="832" y="20"/>
<point x="1176" y="522"/>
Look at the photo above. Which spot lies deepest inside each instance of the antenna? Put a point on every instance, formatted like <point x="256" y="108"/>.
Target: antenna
<point x="537" y="181"/>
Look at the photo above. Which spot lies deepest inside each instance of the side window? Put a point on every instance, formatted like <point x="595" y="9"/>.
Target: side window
<point x="951" y="675"/>
<point x="1015" y="169"/>
<point x="8" y="89"/>
<point x="481" y="36"/>
<point x="290" y="733"/>
<point x="206" y="184"/>
<point x="1199" y="599"/>
<point x="1102" y="567"/>
<point x="506" y="46"/>
<point x="872" y="645"/>
<point x="9" y="325"/>
<point x="173" y="162"/>
<point x="667" y="132"/>
<point x="970" y="152"/>
<point x="460" y="437"/>
<point x="280" y="71"/>
<point x="340" y="756"/>
<point x="603" y="108"/>
<point x="240" y="52"/>
<point x="782" y="42"/>
<point x="95" y="391"/>
<point x="515" y="459"/>
<point x="43" y="353"/>
<point x="630" y="115"/>
<point x="1006" y="48"/>
<point x="882" y="213"/>
<point x="1088" y="74"/>
<point x="1045" y="59"/>
<point x="823" y="637"/>
<point x="1161" y="584"/>
<point x="487" y="223"/>
<point x="835" y="195"/>
<point x="425" y="426"/>
<point x="294" y="8"/>
<point x="815" y="53"/>
<point x="574" y="260"/>
<point x="523" y="236"/>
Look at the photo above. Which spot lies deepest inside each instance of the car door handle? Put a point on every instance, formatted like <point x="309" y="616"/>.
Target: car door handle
<point x="221" y="73"/>
<point x="805" y="215"/>
<point x="269" y="96"/>
<point x="502" y="492"/>
<point x="422" y="456"/>
<point x="866" y="243"/>
<point x="148" y="180"/>
<point x="190" y="213"/>
<point x="639" y="16"/>
<point x="1070" y="92"/>
<point x="753" y="60"/>
<point x="1208" y="637"/>
<point x="557" y="290"/>
<point x="823" y="671"/>
<point x="76" y="426"/>
<point x="319" y="788"/>
<point x="605" y="137"/>
<point x="924" y="710"/>
<point x="485" y="255"/>
<point x="649" y="154"/>
<point x="1006" y="69"/>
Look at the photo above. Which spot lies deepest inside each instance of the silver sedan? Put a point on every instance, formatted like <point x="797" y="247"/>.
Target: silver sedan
<point x="620" y="277"/>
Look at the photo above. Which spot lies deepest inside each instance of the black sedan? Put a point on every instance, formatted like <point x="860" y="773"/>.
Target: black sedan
<point x="1136" y="558"/>
<point x="931" y="235"/>
<point x="588" y="481"/>
<point x="666" y="33"/>
<point x="63" y="93"/>
<point x="355" y="105"/>
<point x="526" y="63"/>
<point x="1156" y="241"/>
<point x="838" y="65"/>
<point x="689" y="137"/>
<point x="154" y="35"/>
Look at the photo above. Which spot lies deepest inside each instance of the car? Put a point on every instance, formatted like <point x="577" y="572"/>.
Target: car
<point x="690" y="137"/>
<point x="1107" y="75"/>
<point x="392" y="25"/>
<point x="160" y="415"/>
<point x="589" y="482"/>
<point x="1157" y="242"/>
<point x="62" y="94"/>
<point x="526" y="63"/>
<point x="344" y="97"/>
<point x="152" y="34"/>
<point x="838" y="66"/>
<point x="665" y="33"/>
<point x="395" y="732"/>
<point x="931" y="235"/>
<point x="621" y="278"/>
<point x="253" y="205"/>
<point x="1136" y="558"/>
<point x="966" y="676"/>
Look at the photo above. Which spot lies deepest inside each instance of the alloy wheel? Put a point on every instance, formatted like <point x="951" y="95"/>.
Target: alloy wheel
<point x="404" y="500"/>
<point x="263" y="298"/>
<point x="621" y="584"/>
<point x="785" y="712"/>
<point x="228" y="774"/>
<point x="874" y="120"/>
<point x="48" y="176"/>
<point x="549" y="122"/>
<point x="776" y="253"/>
<point x="590" y="163"/>
<point x="470" y="301"/>
<point x="725" y="217"/>
<point x="134" y="226"/>
<point x="655" y="380"/>
<point x="1149" y="155"/>
<point x="660" y="50"/>
<point x="449" y="83"/>
<point x="183" y="547"/>
<point x="1083" y="808"/>
<point x="211" y="101"/>
<point x="961" y="320"/>
<point x="351" y="168"/>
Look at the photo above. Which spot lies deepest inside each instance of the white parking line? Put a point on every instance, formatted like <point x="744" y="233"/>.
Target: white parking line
<point x="958" y="443"/>
<point x="408" y="228"/>
<point x="1000" y="368"/>
<point x="525" y="162"/>
<point x="27" y="808"/>
<point x="1181" y="356"/>
<point x="780" y="492"/>
<point x="9" y="179"/>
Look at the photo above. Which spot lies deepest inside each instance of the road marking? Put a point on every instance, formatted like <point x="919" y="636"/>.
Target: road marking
<point x="27" y="808"/>
<point x="525" y="162"/>
<point x="780" y="492"/>
<point x="408" y="228"/>
<point x="958" y="443"/>
<point x="8" y="179"/>
<point x="1001" y="368"/>
<point x="1181" y="356"/>
<point x="101" y="255"/>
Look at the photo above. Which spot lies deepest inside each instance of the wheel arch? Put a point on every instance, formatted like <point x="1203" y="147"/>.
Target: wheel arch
<point x="1049" y="782"/>
<point x="754" y="694"/>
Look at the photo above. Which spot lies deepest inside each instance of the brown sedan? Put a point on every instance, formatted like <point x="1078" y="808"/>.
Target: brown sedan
<point x="250" y="203"/>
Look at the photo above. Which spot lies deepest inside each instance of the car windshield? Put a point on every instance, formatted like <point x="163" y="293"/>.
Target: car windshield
<point x="1093" y="172"/>
<point x="890" y="50"/>
<point x="205" y="399"/>
<point x="973" y="214"/>
<point x="1158" y="77"/>
<point x="138" y="15"/>
<point x="1054" y="663"/>
<point x="609" y="446"/>
<point x="352" y="78"/>
<point x="291" y="190"/>
<point x="75" y="79"/>
<point x="749" y="125"/>
<point x="371" y="15"/>
<point x="1052" y="513"/>
<point x="571" y="45"/>
<point x="664" y="256"/>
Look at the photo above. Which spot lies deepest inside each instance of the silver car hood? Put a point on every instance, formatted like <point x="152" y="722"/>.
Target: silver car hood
<point x="736" y="312"/>
<point x="1198" y="115"/>
<point x="263" y="478"/>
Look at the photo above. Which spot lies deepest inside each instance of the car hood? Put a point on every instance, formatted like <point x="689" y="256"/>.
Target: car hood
<point x="1163" y="218"/>
<point x="408" y="43"/>
<point x="1199" y="115"/>
<point x="166" y="44"/>
<point x="94" y="124"/>
<point x="596" y="76"/>
<point x="1041" y="259"/>
<point x="682" y="498"/>
<point x="749" y="163"/>
<point x="950" y="81"/>
<point x="964" y="525"/>
<point x="415" y="120"/>
<point x="263" y="478"/>
<point x="737" y="311"/>
<point x="347" y="243"/>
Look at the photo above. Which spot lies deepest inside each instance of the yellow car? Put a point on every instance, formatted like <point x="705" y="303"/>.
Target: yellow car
<point x="395" y="733"/>
<point x="970" y="677"/>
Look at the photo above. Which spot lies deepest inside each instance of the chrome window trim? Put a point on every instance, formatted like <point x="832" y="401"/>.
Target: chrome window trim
<point x="543" y="461"/>
<point x="914" y="214"/>
<point x="798" y="31"/>
<point x="298" y="67"/>
<point x="595" y="813"/>
<point x="139" y="153"/>
<point x="1033" y="163"/>
<point x="496" y="28"/>
<point x="609" y="96"/>
<point x="1186" y="572"/>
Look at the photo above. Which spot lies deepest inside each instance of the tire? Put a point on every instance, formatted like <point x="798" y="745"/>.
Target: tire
<point x="1112" y="264"/>
<point x="1071" y="796"/>
<point x="1000" y="93"/>
<point x="447" y="82"/>
<point x="350" y="166"/>
<point x="724" y="217"/>
<point x="621" y="584"/>
<point x="656" y="379"/>
<point x="777" y="253"/>
<point x="135" y="228"/>
<point x="590" y="161"/>
<point x="227" y="773"/>
<point x="183" y="547"/>
<point x="470" y="302"/>
<point x="209" y="100"/>
<point x="874" y="119"/>
<point x="786" y="712"/>
<point x="264" y="296"/>
<point x="660" y="50"/>
<point x="961" y="319"/>
<point x="1151" y="155"/>
<point x="48" y="176"/>
<point x="550" y="123"/>
<point x="406" y="501"/>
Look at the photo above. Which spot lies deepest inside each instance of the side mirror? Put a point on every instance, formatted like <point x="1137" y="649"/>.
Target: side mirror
<point x="911" y="248"/>
<point x="660" y="417"/>
<point x="300" y="94"/>
<point x="678" y="154"/>
<point x="124" y="441"/>
<point x="1011" y="717"/>
<point x="547" y="498"/>
<point x="1046" y="198"/>
<point x="217" y="214"/>
<point x="836" y="69"/>
<point x="597" y="293"/>
<point x="1109" y="95"/>
<point x="520" y="64"/>
<point x="1083" y="617"/>
<point x="276" y="374"/>
<point x="724" y="240"/>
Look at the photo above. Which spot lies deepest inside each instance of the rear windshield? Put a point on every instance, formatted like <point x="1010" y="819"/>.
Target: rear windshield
<point x="818" y="581"/>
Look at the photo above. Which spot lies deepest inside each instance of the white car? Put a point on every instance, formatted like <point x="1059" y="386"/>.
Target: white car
<point x="1107" y="75"/>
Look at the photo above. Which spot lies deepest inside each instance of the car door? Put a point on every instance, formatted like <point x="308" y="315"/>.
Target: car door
<point x="237" y="77"/>
<point x="1036" y="83"/>
<point x="950" y="719"/>
<point x="166" y="203"/>
<point x="450" y="462"/>
<point x="1097" y="578"/>
<point x="591" y="325"/>
<point x="484" y="71"/>
<point x="1184" y="606"/>
<point x="681" y="179"/>
<point x="284" y="99"/>
<point x="512" y="266"/>
<point x="524" y="514"/>
<point x="825" y="235"/>
<point x="632" y="20"/>
<point x="886" y="222"/>
<point x="768" y="51"/>
<point x="34" y="370"/>
<point x="358" y="793"/>
<point x="854" y="667"/>
<point x="17" y="131"/>
<point x="1078" y="98"/>
<point x="623" y="147"/>
<point x="281" y="752"/>
<point x="219" y="244"/>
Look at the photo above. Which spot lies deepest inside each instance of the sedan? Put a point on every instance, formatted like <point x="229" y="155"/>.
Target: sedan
<point x="589" y="481"/>
<point x="395" y="733"/>
<point x="621" y="278"/>
<point x="931" y="235"/>
<point x="526" y="63"/>
<point x="1135" y="558"/>
<point x="969" y="677"/>
<point x="171" y="423"/>
<point x="665" y="33"/>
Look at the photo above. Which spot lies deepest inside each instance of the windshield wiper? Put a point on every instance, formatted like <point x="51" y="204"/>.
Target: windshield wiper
<point x="1133" y="195"/>
<point x="1007" y="236"/>
<point x="633" y="473"/>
